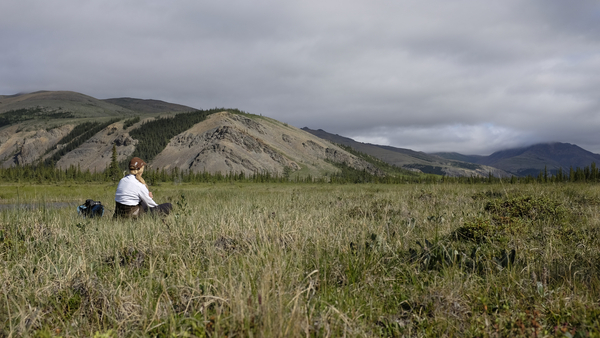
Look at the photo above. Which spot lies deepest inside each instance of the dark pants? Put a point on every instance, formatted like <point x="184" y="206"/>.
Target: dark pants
<point x="161" y="209"/>
<point x="127" y="211"/>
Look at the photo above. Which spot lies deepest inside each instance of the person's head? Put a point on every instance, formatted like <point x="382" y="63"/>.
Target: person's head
<point x="136" y="167"/>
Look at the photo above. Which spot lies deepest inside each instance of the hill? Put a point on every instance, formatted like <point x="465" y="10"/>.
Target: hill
<point x="222" y="140"/>
<point x="49" y="102"/>
<point x="148" y="106"/>
<point x="410" y="159"/>
<point x="249" y="143"/>
<point x="533" y="159"/>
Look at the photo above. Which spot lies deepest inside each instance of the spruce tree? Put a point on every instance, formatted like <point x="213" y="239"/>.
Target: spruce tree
<point x="114" y="172"/>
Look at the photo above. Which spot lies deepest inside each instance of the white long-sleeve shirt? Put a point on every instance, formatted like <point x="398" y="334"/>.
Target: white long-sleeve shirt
<point x="131" y="192"/>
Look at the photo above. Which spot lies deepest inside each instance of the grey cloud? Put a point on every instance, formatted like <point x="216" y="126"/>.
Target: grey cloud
<point x="474" y="75"/>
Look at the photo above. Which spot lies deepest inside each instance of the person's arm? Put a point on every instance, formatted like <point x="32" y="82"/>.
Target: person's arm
<point x="146" y="197"/>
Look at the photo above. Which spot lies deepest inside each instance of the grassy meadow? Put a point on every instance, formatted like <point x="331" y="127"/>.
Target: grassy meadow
<point x="287" y="260"/>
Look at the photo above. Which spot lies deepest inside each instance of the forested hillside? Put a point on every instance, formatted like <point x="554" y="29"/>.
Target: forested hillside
<point x="153" y="136"/>
<point x="80" y="134"/>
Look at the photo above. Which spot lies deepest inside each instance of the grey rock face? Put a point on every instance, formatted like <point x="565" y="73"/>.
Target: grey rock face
<point x="26" y="147"/>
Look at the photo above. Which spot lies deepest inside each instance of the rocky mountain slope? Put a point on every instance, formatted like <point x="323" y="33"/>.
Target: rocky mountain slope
<point x="25" y="147"/>
<point x="225" y="142"/>
<point x="96" y="153"/>
<point x="228" y="142"/>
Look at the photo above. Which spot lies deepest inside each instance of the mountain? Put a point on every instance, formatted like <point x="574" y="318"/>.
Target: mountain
<point x="410" y="159"/>
<point x="72" y="129"/>
<point x="248" y="143"/>
<point x="533" y="159"/>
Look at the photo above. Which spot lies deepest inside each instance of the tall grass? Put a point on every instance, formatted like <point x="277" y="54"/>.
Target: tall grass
<point x="284" y="260"/>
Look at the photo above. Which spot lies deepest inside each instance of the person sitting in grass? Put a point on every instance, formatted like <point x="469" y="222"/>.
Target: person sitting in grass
<point x="133" y="197"/>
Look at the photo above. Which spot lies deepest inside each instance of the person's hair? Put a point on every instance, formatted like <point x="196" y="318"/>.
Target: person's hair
<point x="138" y="175"/>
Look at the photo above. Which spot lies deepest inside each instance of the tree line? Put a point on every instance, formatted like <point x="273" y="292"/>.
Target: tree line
<point x="41" y="173"/>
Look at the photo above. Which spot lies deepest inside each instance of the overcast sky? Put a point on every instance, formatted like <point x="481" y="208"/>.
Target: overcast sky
<point x="469" y="76"/>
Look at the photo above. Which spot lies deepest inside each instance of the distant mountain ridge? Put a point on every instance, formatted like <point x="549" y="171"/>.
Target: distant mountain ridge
<point x="524" y="161"/>
<point x="62" y="101"/>
<point x="533" y="159"/>
<point x="410" y="159"/>
<point x="86" y="106"/>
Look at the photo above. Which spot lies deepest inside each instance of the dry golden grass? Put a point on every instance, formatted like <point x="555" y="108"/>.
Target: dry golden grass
<point x="285" y="260"/>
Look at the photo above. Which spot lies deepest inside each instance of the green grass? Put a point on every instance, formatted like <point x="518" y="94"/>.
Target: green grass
<point x="286" y="260"/>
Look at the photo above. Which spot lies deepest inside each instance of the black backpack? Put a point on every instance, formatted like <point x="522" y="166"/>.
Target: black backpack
<point x="91" y="209"/>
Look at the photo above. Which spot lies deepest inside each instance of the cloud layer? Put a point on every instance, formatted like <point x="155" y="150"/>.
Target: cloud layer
<point x="466" y="75"/>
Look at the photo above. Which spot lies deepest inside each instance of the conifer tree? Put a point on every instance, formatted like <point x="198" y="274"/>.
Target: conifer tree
<point x="114" y="172"/>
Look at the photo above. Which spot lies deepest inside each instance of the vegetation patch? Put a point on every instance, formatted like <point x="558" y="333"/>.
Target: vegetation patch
<point x="25" y="114"/>
<point x="588" y="200"/>
<point x="78" y="136"/>
<point x="466" y="165"/>
<point x="484" y="195"/>
<point x="130" y="122"/>
<point x="378" y="209"/>
<point x="444" y="254"/>
<point x="78" y="131"/>
<point x="389" y="169"/>
<point x="525" y="207"/>
<point x="428" y="169"/>
<point x="348" y="174"/>
<point x="478" y="230"/>
<point x="129" y="256"/>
